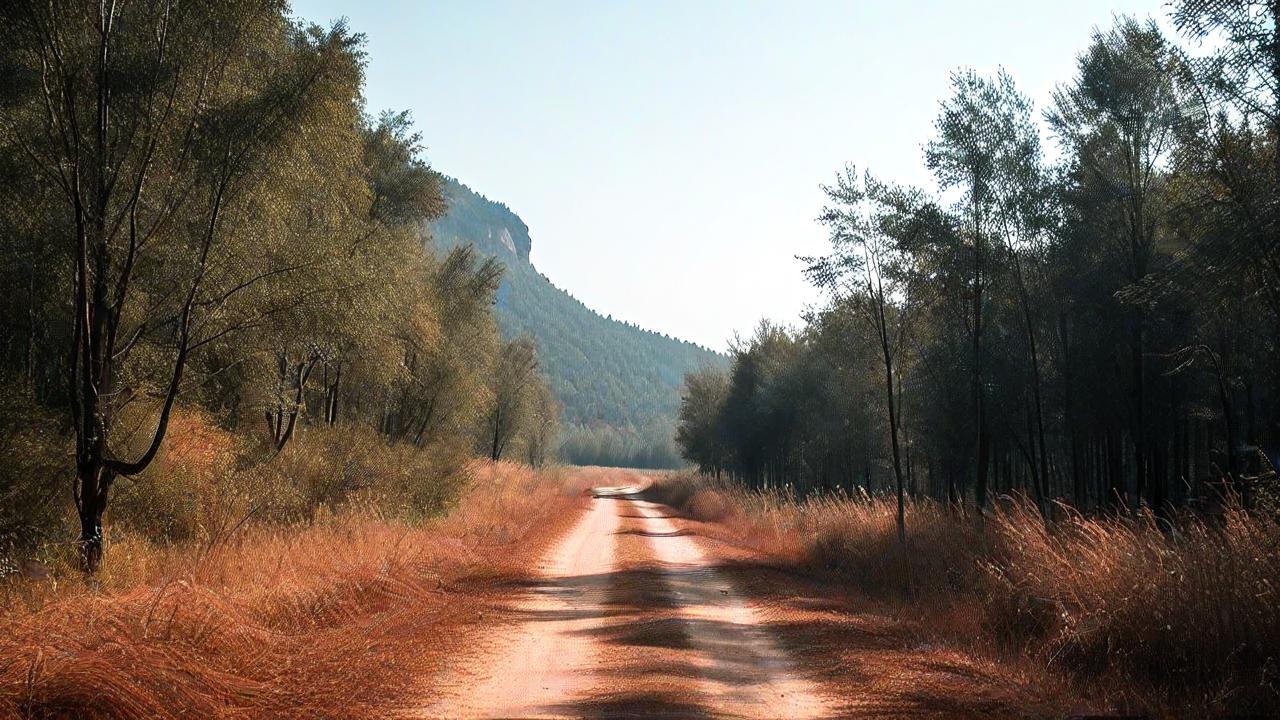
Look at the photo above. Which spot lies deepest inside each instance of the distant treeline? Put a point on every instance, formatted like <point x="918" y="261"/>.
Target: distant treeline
<point x="197" y="214"/>
<point x="1102" y="329"/>
<point x="608" y="446"/>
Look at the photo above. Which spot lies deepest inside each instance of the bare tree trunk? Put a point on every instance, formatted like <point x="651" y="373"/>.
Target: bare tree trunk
<point x="496" y="450"/>
<point x="1032" y="346"/>
<point x="1139" y="416"/>
<point x="330" y="409"/>
<point x="979" y="381"/>
<point x="893" y="436"/>
<point x="891" y="399"/>
<point x="286" y="421"/>
<point x="91" y="502"/>
<point x="1275" y="76"/>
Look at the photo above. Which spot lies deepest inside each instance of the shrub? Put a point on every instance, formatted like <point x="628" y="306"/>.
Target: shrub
<point x="205" y="485"/>
<point x="35" y="482"/>
<point x="338" y="618"/>
<point x="187" y="491"/>
<point x="329" y="468"/>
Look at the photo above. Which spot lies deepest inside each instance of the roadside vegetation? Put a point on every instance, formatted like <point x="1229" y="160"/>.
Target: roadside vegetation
<point x="225" y="309"/>
<point x="1040" y="408"/>
<point x="1130" y="617"/>
<point x="339" y="615"/>
<point x="242" y="395"/>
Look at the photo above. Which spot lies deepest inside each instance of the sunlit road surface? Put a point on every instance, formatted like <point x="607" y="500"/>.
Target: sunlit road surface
<point x="629" y="617"/>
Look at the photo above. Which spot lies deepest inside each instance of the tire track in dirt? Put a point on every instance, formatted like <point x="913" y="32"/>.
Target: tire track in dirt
<point x="536" y="667"/>
<point x="629" y="617"/>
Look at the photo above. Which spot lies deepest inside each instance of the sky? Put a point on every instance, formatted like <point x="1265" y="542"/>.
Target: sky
<point x="668" y="157"/>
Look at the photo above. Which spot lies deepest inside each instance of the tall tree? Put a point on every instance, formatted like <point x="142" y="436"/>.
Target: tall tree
<point x="150" y="121"/>
<point x="1244" y="65"/>
<point x="980" y="135"/>
<point x="873" y="271"/>
<point x="1118" y="123"/>
<point x="1021" y="215"/>
<point x="540" y="433"/>
<point x="514" y="380"/>
<point x="698" y="433"/>
<point x="447" y="361"/>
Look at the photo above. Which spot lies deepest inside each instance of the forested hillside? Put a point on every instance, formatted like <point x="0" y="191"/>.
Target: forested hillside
<point x="619" y="384"/>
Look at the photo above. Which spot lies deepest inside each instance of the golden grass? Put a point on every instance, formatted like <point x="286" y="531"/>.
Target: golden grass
<point x="1168" y="622"/>
<point x="340" y="617"/>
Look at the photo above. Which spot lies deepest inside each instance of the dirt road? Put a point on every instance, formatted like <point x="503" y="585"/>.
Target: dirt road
<point x="628" y="617"/>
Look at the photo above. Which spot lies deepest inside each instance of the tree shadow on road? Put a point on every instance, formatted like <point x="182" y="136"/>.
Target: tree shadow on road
<point x="656" y="641"/>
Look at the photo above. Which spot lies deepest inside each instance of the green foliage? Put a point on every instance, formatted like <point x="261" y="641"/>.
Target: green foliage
<point x="33" y="507"/>
<point x="540" y="437"/>
<point x="799" y="410"/>
<point x="698" y="434"/>
<point x="515" y="382"/>
<point x="224" y="289"/>
<point x="206" y="484"/>
<point x="1100" y="331"/>
<point x="618" y="384"/>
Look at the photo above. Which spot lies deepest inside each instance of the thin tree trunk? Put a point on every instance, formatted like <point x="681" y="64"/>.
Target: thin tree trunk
<point x="496" y="452"/>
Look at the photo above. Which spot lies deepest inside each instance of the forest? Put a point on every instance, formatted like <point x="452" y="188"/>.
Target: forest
<point x="1089" y="321"/>
<point x="220" y="305"/>
<point x="1037" y="411"/>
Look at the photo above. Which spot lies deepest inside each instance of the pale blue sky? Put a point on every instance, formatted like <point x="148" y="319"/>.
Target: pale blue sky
<point x="667" y="156"/>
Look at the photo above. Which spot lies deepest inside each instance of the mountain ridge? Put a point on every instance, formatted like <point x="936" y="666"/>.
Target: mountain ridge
<point x="619" y="383"/>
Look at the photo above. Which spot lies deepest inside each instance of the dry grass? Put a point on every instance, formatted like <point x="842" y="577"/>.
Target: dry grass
<point x="1182" y="623"/>
<point x="338" y="617"/>
<point x="207" y="484"/>
<point x="1191" y="614"/>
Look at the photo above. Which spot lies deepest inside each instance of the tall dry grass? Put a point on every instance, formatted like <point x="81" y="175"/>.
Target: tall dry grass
<point x="338" y="616"/>
<point x="1184" y="622"/>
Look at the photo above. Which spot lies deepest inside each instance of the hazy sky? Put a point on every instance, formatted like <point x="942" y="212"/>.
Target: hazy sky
<point x="667" y="156"/>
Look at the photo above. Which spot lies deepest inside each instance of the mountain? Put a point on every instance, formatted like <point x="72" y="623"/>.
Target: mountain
<point x="619" y="383"/>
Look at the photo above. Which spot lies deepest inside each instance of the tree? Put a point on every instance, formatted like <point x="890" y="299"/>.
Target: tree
<point x="540" y="432"/>
<point x="1228" y="167"/>
<point x="1103" y="330"/>
<point x="1118" y="123"/>
<point x="983" y="135"/>
<point x="514" y="379"/>
<point x="758" y="414"/>
<point x="443" y="389"/>
<point x="151" y="123"/>
<point x="873" y="273"/>
<point x="698" y="431"/>
<point x="1244" y="67"/>
<point x="385" y="258"/>
<point x="359" y="283"/>
<point x="1021" y="207"/>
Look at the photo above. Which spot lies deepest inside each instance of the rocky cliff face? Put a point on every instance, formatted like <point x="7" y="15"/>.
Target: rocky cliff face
<point x="489" y="225"/>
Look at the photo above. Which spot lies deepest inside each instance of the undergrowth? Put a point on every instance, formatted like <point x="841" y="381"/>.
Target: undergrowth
<point x="320" y="583"/>
<point x="1176" y="621"/>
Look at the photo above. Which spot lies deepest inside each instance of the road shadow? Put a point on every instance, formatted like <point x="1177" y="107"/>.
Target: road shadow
<point x="652" y="534"/>
<point x="832" y="638"/>
<point x="632" y="705"/>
